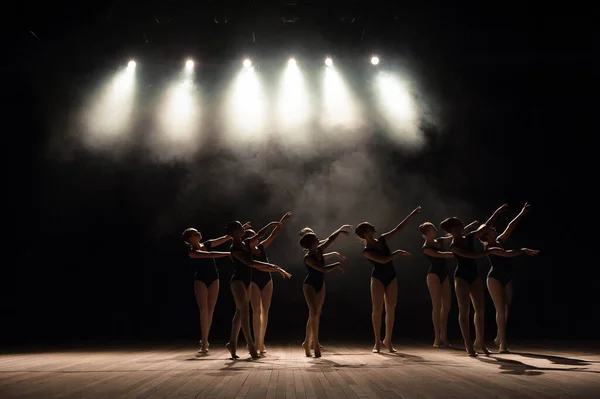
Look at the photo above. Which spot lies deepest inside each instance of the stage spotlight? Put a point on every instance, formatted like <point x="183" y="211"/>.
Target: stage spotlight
<point x="247" y="63"/>
<point x="328" y="62"/>
<point x="374" y="60"/>
<point x="292" y="61"/>
<point x="131" y="64"/>
<point x="189" y="65"/>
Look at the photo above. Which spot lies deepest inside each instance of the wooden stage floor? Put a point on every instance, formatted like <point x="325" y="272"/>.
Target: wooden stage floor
<point x="344" y="371"/>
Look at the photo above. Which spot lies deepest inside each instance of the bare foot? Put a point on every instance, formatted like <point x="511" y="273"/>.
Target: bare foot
<point x="389" y="346"/>
<point x="263" y="349"/>
<point x="447" y="344"/>
<point x="306" y="349"/>
<point x="502" y="348"/>
<point x="317" y="352"/>
<point x="232" y="349"/>
<point x="436" y="344"/>
<point x="480" y="347"/>
<point x="470" y="350"/>
<point x="312" y="346"/>
<point x="377" y="347"/>
<point x="496" y="341"/>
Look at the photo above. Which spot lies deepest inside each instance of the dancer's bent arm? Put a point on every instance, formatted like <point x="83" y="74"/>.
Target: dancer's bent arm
<point x="324" y="269"/>
<point x="262" y="266"/>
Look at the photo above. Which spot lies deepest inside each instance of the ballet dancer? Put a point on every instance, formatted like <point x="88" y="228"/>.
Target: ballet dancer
<point x="437" y="281"/>
<point x="314" y="283"/>
<point x="384" y="285"/>
<point x="261" y="287"/>
<point x="499" y="279"/>
<point x="467" y="282"/>
<point x="240" y="286"/>
<point x="206" y="277"/>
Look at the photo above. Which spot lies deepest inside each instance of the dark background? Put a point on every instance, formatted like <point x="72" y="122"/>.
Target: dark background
<point x="94" y="249"/>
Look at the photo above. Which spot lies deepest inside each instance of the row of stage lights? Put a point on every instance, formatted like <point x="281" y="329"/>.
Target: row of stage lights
<point x="189" y="64"/>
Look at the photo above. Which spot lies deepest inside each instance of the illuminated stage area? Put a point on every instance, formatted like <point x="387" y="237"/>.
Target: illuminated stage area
<point x="344" y="371"/>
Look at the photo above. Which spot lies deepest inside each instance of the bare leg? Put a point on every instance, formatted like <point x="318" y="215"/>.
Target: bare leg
<point x="255" y="302"/>
<point x="477" y="299"/>
<point x="266" y="295"/>
<point x="464" y="309"/>
<point x="241" y="319"/>
<point x="320" y="302"/>
<point x="497" y="293"/>
<point x="312" y="301"/>
<point x="201" y="293"/>
<point x="435" y="291"/>
<point x="377" y="295"/>
<point x="508" y="290"/>
<point x="446" y="304"/>
<point x="390" y="300"/>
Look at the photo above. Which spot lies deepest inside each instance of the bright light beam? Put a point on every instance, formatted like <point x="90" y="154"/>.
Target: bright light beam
<point x="339" y="109"/>
<point x="398" y="109"/>
<point x="178" y="120"/>
<point x="246" y="109"/>
<point x="293" y="98"/>
<point x="111" y="112"/>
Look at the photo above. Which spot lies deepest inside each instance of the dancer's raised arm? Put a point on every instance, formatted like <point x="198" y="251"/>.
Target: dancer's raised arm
<point x="257" y="236"/>
<point x="513" y="223"/>
<point x="327" y="242"/>
<point x="492" y="220"/>
<point x="401" y="225"/>
<point x="266" y="242"/>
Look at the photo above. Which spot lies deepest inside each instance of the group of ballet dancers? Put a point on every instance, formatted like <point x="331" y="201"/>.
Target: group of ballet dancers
<point x="252" y="282"/>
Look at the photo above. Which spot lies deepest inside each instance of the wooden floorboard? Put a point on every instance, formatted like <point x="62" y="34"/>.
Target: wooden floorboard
<point x="346" y="370"/>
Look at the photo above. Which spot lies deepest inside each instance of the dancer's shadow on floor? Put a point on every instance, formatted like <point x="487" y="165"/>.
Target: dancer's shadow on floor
<point x="509" y="366"/>
<point x="557" y="359"/>
<point x="317" y="364"/>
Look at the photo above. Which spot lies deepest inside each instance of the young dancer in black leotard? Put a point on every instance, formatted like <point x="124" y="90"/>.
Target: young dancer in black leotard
<point x="314" y="283"/>
<point x="499" y="279"/>
<point x="206" y="284"/>
<point x="467" y="282"/>
<point x="384" y="286"/>
<point x="240" y="286"/>
<point x="261" y="287"/>
<point x="438" y="281"/>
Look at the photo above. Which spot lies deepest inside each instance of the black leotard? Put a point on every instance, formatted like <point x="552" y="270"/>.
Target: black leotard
<point x="384" y="272"/>
<point x="502" y="267"/>
<point x="466" y="267"/>
<point x="260" y="278"/>
<point x="437" y="266"/>
<point x="206" y="269"/>
<point x="315" y="277"/>
<point x="242" y="271"/>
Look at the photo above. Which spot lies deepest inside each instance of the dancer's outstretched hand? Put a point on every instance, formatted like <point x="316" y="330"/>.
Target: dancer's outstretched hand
<point x="416" y="210"/>
<point x="341" y="257"/>
<point x="284" y="274"/>
<point x="287" y="215"/>
<point x="526" y="207"/>
<point x="530" y="252"/>
<point x="342" y="269"/>
<point x="247" y="225"/>
<point x="503" y="208"/>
